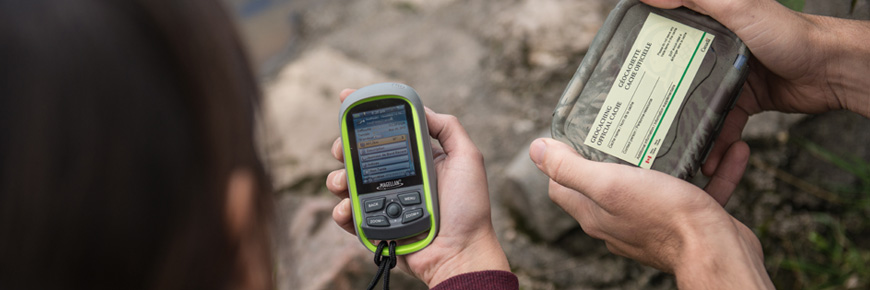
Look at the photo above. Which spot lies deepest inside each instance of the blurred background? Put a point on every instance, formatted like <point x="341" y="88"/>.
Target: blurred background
<point x="500" y="67"/>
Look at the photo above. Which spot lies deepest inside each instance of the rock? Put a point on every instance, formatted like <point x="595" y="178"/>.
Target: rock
<point x="526" y="194"/>
<point x="419" y="4"/>
<point x="440" y="61"/>
<point x="768" y="125"/>
<point x="544" y="266"/>
<point x="300" y="113"/>
<point x="315" y="254"/>
<point x="552" y="30"/>
<point x="500" y="66"/>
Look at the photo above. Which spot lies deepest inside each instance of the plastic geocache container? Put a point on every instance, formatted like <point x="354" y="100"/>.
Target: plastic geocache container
<point x="653" y="89"/>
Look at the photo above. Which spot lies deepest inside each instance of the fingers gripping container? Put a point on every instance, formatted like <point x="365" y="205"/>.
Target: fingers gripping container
<point x="653" y="90"/>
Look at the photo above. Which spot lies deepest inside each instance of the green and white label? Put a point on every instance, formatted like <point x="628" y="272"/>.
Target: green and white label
<point x="649" y="90"/>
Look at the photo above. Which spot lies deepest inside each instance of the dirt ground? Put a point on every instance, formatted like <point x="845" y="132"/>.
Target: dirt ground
<point x="500" y="67"/>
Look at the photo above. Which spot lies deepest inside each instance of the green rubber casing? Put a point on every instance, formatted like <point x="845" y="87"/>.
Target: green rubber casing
<point x="370" y="201"/>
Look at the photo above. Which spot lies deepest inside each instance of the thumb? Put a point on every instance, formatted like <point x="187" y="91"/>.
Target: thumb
<point x="721" y="10"/>
<point x="556" y="160"/>
<point x="749" y="19"/>
<point x="564" y="166"/>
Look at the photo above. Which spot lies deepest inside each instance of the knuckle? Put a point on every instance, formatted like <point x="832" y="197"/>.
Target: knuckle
<point x="592" y="230"/>
<point x="475" y="154"/>
<point x="555" y="195"/>
<point x="558" y="197"/>
<point x="614" y="249"/>
<point x="451" y="119"/>
<point x="613" y="191"/>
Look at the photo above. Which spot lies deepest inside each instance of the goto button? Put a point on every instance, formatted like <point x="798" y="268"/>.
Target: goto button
<point x="412" y="215"/>
<point x="410" y="198"/>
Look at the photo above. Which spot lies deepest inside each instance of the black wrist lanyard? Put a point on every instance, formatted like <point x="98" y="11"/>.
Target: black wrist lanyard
<point x="385" y="264"/>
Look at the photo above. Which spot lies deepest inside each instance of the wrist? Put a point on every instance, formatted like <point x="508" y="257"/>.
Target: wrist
<point x="847" y="65"/>
<point x="722" y="258"/>
<point x="482" y="254"/>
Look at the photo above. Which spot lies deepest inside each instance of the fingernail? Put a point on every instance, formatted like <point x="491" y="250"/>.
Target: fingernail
<point x="342" y="209"/>
<point x="336" y="180"/>
<point x="536" y="151"/>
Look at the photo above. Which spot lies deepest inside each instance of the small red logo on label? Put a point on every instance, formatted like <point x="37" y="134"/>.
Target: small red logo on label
<point x="648" y="158"/>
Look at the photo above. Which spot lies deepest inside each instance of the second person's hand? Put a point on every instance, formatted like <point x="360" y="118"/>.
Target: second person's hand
<point x="654" y="218"/>
<point x="801" y="63"/>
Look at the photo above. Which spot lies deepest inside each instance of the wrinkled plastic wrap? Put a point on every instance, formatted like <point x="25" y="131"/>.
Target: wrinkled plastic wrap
<point x="711" y="95"/>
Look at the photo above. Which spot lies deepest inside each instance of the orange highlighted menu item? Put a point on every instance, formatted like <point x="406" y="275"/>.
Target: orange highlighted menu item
<point x="383" y="141"/>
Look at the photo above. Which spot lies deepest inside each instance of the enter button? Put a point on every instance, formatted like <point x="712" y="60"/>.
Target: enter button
<point x="412" y="215"/>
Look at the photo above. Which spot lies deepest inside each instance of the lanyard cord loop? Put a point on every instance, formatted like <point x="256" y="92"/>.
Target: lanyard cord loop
<point x="385" y="264"/>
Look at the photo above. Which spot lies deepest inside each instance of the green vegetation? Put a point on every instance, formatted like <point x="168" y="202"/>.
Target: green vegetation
<point x="796" y="5"/>
<point x="834" y="252"/>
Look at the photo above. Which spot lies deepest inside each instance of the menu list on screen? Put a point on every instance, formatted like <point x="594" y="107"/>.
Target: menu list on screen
<point x="384" y="147"/>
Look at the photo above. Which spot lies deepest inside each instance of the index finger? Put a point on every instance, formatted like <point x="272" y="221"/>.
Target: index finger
<point x="344" y="93"/>
<point x="450" y="133"/>
<point x="336" y="145"/>
<point x="337" y="150"/>
<point x="731" y="132"/>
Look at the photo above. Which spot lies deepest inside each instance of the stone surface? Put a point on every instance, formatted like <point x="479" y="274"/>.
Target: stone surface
<point x="300" y="113"/>
<point x="500" y="67"/>
<point x="769" y="124"/>
<point x="525" y="193"/>
<point x="316" y="254"/>
<point x="551" y="30"/>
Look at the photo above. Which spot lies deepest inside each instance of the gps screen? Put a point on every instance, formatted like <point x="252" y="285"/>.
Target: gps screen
<point x="383" y="146"/>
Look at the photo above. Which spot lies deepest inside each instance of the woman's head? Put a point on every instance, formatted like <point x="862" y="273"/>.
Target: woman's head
<point x="122" y="124"/>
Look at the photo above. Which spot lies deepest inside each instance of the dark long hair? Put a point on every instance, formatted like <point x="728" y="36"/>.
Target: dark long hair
<point x="120" y="122"/>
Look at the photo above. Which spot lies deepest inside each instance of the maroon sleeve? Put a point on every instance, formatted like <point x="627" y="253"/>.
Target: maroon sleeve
<point x="484" y="280"/>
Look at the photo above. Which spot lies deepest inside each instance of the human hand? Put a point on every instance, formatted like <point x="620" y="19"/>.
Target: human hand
<point x="654" y="218"/>
<point x="802" y="63"/>
<point x="466" y="241"/>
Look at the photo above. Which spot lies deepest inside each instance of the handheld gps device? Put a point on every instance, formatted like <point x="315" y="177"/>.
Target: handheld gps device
<point x="390" y="173"/>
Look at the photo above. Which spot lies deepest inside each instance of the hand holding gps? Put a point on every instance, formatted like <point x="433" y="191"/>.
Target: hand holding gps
<point x="390" y="173"/>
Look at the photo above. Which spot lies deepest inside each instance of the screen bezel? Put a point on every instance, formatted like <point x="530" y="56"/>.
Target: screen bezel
<point x="414" y="180"/>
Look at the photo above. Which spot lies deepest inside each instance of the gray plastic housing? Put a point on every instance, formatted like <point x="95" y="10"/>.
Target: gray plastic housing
<point x="424" y="223"/>
<point x="711" y="96"/>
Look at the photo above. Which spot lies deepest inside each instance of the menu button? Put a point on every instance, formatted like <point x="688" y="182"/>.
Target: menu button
<point x="410" y="198"/>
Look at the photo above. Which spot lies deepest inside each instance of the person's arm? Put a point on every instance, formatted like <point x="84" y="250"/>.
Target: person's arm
<point x="814" y="63"/>
<point x="726" y="258"/>
<point x="466" y="241"/>
<point x="801" y="63"/>
<point x="655" y="218"/>
<point x="483" y="280"/>
<point x="850" y="62"/>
